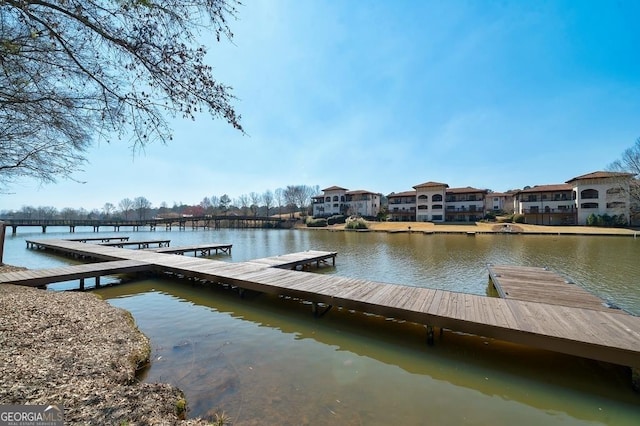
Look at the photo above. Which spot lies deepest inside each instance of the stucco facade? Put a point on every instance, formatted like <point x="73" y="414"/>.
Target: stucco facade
<point x="336" y="200"/>
<point x="601" y="193"/>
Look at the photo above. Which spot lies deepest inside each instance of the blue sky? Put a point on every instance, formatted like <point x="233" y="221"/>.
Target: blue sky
<point x="384" y="95"/>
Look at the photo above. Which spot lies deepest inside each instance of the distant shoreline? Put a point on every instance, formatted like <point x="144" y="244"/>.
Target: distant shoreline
<point x="485" y="228"/>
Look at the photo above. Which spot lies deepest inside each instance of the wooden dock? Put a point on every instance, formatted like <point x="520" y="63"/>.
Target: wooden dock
<point x="544" y="286"/>
<point x="141" y="243"/>
<point x="297" y="260"/>
<point x="101" y="239"/>
<point x="43" y="277"/>
<point x="601" y="334"/>
<point x="203" y="249"/>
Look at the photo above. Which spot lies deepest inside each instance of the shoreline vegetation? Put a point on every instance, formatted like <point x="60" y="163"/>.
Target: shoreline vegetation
<point x="77" y="350"/>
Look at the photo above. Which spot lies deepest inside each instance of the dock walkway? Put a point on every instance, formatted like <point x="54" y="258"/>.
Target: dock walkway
<point x="600" y="334"/>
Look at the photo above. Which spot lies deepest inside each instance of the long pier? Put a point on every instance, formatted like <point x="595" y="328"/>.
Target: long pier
<point x="183" y="222"/>
<point x="601" y="334"/>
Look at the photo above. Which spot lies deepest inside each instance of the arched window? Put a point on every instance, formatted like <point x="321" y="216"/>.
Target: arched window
<point x="335" y="198"/>
<point x="437" y="197"/>
<point x="589" y="194"/>
<point x="615" y="191"/>
<point x="547" y="209"/>
<point x="342" y="198"/>
<point x="328" y="199"/>
<point x="423" y="198"/>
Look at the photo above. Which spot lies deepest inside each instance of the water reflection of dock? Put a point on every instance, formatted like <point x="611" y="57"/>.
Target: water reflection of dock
<point x="524" y="315"/>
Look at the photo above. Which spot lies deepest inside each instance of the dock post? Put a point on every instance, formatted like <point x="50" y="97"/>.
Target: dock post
<point x="81" y="283"/>
<point x="635" y="378"/>
<point x="97" y="282"/>
<point x="314" y="309"/>
<point x="430" y="335"/>
<point x="2" y="231"/>
<point x="241" y="292"/>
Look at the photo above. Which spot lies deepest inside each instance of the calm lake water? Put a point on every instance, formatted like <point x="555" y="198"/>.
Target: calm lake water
<point x="267" y="360"/>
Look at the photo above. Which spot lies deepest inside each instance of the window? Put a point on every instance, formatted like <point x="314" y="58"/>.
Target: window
<point x="589" y="205"/>
<point x="547" y="209"/>
<point x="589" y="194"/>
<point x="534" y="209"/>
<point x="436" y="197"/>
<point x="616" y="205"/>
<point x="436" y="217"/>
<point x="327" y="200"/>
<point x="437" y="206"/>
<point x="532" y="198"/>
<point x="615" y="191"/>
<point x="423" y="198"/>
<point x="335" y="198"/>
<point x="423" y="207"/>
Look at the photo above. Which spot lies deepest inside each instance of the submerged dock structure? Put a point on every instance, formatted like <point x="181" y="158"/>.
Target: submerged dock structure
<point x="575" y="325"/>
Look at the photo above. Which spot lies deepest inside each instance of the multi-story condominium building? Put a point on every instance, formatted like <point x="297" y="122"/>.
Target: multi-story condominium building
<point x="546" y="204"/>
<point x="430" y="198"/>
<point x="500" y="201"/>
<point x="402" y="206"/>
<point x="336" y="200"/>
<point x="601" y="193"/>
<point x="465" y="204"/>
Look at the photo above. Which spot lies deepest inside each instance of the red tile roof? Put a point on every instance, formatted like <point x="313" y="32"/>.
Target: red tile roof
<point x="360" y="191"/>
<point x="548" y="188"/>
<point x="465" y="190"/>
<point x="431" y="184"/>
<point x="601" y="175"/>
<point x="402" y="194"/>
<point x="334" y="188"/>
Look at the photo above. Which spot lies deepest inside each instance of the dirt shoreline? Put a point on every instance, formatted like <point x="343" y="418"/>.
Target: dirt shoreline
<point x="76" y="350"/>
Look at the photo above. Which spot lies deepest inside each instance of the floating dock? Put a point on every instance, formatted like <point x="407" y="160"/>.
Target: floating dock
<point x="541" y="285"/>
<point x="583" y="330"/>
